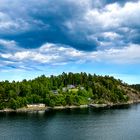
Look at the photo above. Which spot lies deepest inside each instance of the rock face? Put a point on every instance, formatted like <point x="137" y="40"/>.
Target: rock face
<point x="134" y="95"/>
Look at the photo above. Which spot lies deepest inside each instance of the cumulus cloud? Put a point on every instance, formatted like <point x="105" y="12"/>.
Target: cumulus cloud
<point x="47" y="53"/>
<point x="57" y="54"/>
<point x="112" y="22"/>
<point x="126" y="55"/>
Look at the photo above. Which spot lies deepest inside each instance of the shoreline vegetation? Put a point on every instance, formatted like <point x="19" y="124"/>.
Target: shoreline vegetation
<point x="68" y="90"/>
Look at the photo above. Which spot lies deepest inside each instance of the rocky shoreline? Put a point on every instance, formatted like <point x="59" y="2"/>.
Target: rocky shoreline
<point x="47" y="108"/>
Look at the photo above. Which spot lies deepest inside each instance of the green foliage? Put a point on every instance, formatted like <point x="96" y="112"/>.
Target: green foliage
<point x="88" y="88"/>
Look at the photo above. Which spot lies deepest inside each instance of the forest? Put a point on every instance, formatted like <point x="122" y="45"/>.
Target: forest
<point x="65" y="89"/>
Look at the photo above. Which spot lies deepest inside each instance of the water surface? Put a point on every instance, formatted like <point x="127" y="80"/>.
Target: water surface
<point x="121" y="123"/>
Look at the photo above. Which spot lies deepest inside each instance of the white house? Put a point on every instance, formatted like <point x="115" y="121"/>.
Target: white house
<point x="70" y="86"/>
<point x="35" y="105"/>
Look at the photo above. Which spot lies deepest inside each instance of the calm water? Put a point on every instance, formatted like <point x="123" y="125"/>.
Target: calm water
<point x="78" y="124"/>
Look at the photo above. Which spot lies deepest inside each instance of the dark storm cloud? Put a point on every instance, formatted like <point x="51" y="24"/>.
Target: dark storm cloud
<point x="79" y="24"/>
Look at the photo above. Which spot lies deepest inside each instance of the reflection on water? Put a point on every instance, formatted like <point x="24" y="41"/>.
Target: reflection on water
<point x="116" y="123"/>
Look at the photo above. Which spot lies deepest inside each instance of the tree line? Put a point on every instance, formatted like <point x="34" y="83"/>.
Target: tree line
<point x="96" y="89"/>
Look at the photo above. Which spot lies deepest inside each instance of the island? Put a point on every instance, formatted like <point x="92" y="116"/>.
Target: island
<point x="68" y="90"/>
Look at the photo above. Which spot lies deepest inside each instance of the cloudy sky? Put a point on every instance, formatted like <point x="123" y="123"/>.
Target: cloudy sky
<point x="52" y="36"/>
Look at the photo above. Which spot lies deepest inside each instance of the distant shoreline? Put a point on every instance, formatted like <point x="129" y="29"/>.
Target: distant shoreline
<point x="47" y="108"/>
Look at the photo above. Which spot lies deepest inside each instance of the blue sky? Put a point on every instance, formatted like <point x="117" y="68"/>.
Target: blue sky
<point x="52" y="36"/>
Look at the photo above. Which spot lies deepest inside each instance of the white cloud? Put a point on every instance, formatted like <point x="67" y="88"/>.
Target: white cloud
<point x="114" y="15"/>
<point x="54" y="54"/>
<point x="6" y="22"/>
<point x="113" y="21"/>
<point x="9" y="24"/>
<point x="8" y="46"/>
<point x="126" y="55"/>
<point x="8" y="43"/>
<point x="7" y="55"/>
<point x="111" y="35"/>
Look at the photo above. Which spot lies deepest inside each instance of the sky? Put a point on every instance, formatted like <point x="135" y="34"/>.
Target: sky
<point x="54" y="36"/>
